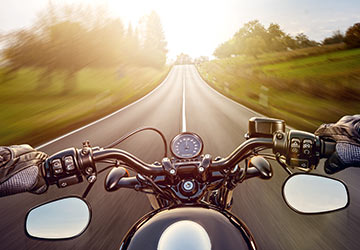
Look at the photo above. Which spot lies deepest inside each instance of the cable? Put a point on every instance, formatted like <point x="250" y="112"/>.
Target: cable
<point x="113" y="144"/>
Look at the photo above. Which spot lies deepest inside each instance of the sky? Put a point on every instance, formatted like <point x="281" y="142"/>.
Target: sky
<point x="197" y="27"/>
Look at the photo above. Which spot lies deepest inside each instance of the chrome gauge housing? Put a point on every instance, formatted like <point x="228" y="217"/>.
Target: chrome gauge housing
<point x="186" y="145"/>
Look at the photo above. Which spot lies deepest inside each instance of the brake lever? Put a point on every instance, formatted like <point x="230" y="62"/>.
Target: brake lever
<point x="283" y="164"/>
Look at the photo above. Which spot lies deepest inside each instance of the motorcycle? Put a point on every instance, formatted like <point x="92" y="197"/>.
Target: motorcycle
<point x="190" y="193"/>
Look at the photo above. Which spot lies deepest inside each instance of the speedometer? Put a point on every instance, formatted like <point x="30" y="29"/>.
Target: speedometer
<point x="186" y="145"/>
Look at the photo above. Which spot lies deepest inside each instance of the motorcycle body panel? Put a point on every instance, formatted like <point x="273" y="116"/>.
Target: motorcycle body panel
<point x="223" y="229"/>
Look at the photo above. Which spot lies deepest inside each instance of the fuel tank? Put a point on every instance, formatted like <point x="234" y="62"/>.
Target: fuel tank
<point x="199" y="227"/>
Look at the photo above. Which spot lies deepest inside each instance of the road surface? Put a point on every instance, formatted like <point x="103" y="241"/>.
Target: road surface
<point x="184" y="102"/>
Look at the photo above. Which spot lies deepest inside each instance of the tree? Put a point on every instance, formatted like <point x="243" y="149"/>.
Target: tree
<point x="70" y="38"/>
<point x="254" y="39"/>
<point x="277" y="40"/>
<point x="61" y="40"/>
<point x="25" y="48"/>
<point x="302" y="41"/>
<point x="154" y="47"/>
<point x="68" y="50"/>
<point x="250" y="39"/>
<point x="183" y="59"/>
<point x="201" y="59"/>
<point x="225" y="49"/>
<point x="106" y="44"/>
<point x="131" y="45"/>
<point x="337" y="37"/>
<point x="352" y="36"/>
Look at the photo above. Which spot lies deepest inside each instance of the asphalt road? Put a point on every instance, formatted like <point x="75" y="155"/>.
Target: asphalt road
<point x="222" y="124"/>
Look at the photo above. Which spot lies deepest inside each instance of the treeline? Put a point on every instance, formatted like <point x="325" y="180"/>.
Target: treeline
<point x="70" y="38"/>
<point x="183" y="58"/>
<point x="254" y="39"/>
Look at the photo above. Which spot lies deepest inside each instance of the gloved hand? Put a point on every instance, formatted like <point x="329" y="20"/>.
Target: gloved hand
<point x="21" y="170"/>
<point x="346" y="133"/>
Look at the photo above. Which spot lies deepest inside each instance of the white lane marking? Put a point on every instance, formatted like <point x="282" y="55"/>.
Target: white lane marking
<point x="183" y="106"/>
<point x="101" y="119"/>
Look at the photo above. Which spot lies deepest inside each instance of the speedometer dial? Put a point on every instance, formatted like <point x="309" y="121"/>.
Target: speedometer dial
<point x="186" y="145"/>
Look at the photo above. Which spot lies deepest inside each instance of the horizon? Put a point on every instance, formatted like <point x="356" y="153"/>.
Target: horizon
<point x="190" y="27"/>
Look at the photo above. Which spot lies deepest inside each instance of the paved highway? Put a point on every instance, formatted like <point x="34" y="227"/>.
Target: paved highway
<point x="184" y="102"/>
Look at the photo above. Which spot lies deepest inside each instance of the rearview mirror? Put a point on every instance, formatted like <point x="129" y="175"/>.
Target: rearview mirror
<point x="59" y="219"/>
<point x="310" y="193"/>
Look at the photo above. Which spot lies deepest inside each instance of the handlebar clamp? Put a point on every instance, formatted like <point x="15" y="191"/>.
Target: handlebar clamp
<point x="86" y="162"/>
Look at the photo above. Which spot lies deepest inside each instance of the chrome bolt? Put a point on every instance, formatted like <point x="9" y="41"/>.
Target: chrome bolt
<point x="279" y="136"/>
<point x="91" y="178"/>
<point x="89" y="170"/>
<point x="201" y="169"/>
<point x="172" y="171"/>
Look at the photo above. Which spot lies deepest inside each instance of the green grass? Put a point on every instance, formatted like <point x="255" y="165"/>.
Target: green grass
<point x="31" y="115"/>
<point x="305" y="90"/>
<point x="331" y="64"/>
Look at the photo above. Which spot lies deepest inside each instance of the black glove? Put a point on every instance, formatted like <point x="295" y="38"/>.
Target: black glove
<point x="21" y="170"/>
<point x="346" y="133"/>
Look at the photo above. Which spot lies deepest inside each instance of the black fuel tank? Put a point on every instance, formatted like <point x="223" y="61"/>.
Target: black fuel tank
<point x="195" y="227"/>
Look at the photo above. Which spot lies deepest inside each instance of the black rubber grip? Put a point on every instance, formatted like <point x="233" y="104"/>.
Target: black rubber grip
<point x="327" y="148"/>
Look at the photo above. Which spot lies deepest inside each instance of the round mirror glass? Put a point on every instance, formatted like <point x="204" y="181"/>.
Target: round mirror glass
<point x="306" y="193"/>
<point x="59" y="219"/>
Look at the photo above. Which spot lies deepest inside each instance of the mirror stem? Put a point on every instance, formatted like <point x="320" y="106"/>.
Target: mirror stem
<point x="87" y="190"/>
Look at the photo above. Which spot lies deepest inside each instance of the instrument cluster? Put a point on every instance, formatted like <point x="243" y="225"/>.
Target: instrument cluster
<point x="186" y="145"/>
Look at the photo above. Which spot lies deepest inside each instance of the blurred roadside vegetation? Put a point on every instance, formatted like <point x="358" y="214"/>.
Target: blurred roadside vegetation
<point x="73" y="65"/>
<point x="306" y="87"/>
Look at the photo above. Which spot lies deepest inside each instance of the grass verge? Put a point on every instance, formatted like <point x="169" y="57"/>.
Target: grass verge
<point x="305" y="90"/>
<point x="34" y="116"/>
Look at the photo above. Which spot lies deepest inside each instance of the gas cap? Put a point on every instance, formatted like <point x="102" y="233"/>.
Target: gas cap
<point x="188" y="187"/>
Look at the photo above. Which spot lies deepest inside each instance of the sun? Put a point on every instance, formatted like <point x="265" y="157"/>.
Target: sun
<point x="188" y="25"/>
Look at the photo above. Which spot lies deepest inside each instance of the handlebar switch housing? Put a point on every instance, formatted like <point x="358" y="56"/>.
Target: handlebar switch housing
<point x="63" y="168"/>
<point x="301" y="149"/>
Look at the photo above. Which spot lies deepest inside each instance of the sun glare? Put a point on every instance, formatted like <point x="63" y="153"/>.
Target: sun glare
<point x="188" y="25"/>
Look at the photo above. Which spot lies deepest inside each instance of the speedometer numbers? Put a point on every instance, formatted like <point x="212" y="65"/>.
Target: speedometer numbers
<point x="186" y="145"/>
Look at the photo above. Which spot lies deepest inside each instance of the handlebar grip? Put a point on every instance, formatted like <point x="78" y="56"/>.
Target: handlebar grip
<point x="327" y="148"/>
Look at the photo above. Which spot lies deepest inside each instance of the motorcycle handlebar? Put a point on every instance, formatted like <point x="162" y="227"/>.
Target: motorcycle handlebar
<point x="325" y="149"/>
<point x="240" y="152"/>
<point x="71" y="165"/>
<point x="131" y="160"/>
